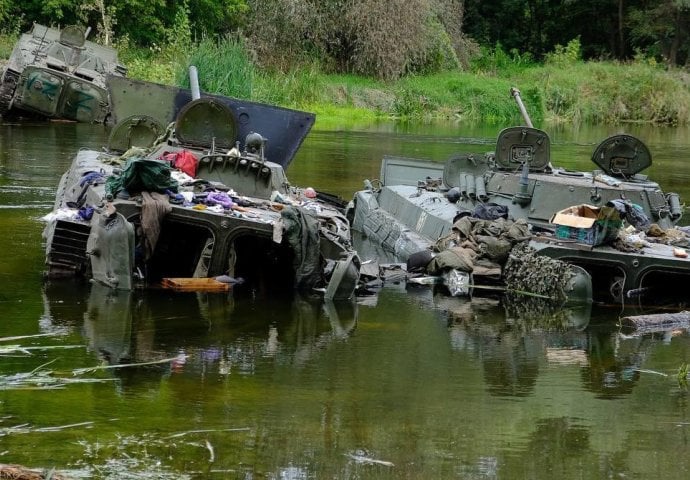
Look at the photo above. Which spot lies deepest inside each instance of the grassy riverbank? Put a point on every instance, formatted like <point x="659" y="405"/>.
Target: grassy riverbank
<point x="564" y="89"/>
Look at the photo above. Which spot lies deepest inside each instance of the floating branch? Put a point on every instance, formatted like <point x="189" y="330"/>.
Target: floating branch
<point x="25" y="428"/>
<point x="658" y="322"/>
<point x="80" y="371"/>
<point x="22" y="337"/>
<point x="189" y="432"/>
<point x="14" y="349"/>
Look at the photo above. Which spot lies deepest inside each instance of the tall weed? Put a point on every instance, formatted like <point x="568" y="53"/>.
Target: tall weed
<point x="153" y="64"/>
<point x="497" y="62"/>
<point x="300" y="87"/>
<point x="564" y="56"/>
<point x="224" y="67"/>
<point x="466" y="96"/>
<point x="608" y="93"/>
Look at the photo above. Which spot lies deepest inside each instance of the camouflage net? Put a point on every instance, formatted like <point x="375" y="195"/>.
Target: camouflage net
<point x="528" y="272"/>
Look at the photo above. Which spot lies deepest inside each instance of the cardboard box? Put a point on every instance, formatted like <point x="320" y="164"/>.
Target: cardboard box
<point x="587" y="224"/>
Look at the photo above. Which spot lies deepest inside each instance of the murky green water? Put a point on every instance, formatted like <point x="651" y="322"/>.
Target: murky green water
<point x="407" y="385"/>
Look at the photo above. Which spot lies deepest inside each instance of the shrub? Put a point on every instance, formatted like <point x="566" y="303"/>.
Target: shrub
<point x="381" y="39"/>
<point x="568" y="55"/>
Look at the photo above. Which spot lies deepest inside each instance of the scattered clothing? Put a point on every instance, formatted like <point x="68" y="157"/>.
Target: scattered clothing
<point x="154" y="207"/>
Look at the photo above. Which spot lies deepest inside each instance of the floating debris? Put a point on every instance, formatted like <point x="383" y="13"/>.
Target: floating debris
<point x="656" y="322"/>
<point x="359" y="458"/>
<point x="178" y="358"/>
<point x="42" y="380"/>
<point x="18" y="472"/>
<point x="25" y="428"/>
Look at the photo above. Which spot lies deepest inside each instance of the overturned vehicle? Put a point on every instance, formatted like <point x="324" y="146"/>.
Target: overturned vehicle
<point x="200" y="203"/>
<point x="58" y="74"/>
<point x="613" y="223"/>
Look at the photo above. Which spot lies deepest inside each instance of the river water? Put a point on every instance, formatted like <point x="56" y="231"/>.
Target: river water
<point x="407" y="384"/>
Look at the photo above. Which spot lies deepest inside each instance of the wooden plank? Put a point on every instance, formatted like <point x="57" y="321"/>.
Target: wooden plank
<point x="195" y="284"/>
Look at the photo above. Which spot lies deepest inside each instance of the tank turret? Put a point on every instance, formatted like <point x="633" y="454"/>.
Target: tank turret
<point x="578" y="217"/>
<point x="58" y="74"/>
<point x="519" y="174"/>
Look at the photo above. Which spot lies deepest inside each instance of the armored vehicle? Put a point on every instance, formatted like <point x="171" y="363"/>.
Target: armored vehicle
<point x="200" y="203"/>
<point x="414" y="203"/>
<point x="58" y="74"/>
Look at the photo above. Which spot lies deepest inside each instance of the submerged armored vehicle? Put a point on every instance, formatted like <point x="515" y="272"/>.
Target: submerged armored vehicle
<point x="202" y="204"/>
<point x="58" y="74"/>
<point x="573" y="216"/>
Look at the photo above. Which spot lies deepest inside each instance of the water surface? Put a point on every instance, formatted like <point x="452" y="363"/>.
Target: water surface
<point x="407" y="384"/>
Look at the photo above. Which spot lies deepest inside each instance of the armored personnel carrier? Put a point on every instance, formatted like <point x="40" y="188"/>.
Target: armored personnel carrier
<point x="202" y="202"/>
<point x="415" y="203"/>
<point x="58" y="74"/>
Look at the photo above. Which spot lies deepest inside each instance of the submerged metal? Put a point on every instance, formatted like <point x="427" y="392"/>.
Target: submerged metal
<point x="58" y="74"/>
<point x="416" y="202"/>
<point x="198" y="200"/>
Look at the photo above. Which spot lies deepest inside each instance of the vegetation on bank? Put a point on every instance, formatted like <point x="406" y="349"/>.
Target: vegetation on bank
<point x="602" y="62"/>
<point x="564" y="88"/>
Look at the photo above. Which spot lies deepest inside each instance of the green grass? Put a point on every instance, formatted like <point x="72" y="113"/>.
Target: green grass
<point x="6" y="45"/>
<point x="224" y="67"/>
<point x="465" y="96"/>
<point x="564" y="90"/>
<point x="609" y="93"/>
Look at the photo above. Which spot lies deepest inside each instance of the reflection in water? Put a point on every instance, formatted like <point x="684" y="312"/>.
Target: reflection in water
<point x="529" y="313"/>
<point x="439" y="387"/>
<point x="108" y="324"/>
<point x="613" y="368"/>
<point x="213" y="330"/>
<point x="242" y="338"/>
<point x="556" y="447"/>
<point x="513" y="346"/>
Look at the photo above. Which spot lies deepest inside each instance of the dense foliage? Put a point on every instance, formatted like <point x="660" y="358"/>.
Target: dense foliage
<point x="145" y="22"/>
<point x="381" y="38"/>
<point x="385" y="39"/>
<point x="607" y="29"/>
<point x="601" y="61"/>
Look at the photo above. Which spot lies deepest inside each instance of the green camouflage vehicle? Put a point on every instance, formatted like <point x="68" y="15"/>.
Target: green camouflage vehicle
<point x="58" y="74"/>
<point x="613" y="222"/>
<point x="190" y="195"/>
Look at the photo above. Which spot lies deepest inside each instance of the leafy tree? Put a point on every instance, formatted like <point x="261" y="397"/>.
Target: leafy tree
<point x="10" y="19"/>
<point x="662" y="29"/>
<point x="50" y="12"/>
<point x="217" y="17"/>
<point x="536" y="26"/>
<point x="106" y="20"/>
<point x="144" y="22"/>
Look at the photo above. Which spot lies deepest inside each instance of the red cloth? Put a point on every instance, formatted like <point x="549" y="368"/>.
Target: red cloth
<point x="183" y="160"/>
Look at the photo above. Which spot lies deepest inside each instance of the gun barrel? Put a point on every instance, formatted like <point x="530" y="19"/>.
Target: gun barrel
<point x="516" y="95"/>
<point x="194" y="82"/>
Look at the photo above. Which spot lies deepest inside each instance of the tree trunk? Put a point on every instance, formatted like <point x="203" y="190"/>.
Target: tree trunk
<point x="621" y="35"/>
<point x="675" y="41"/>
